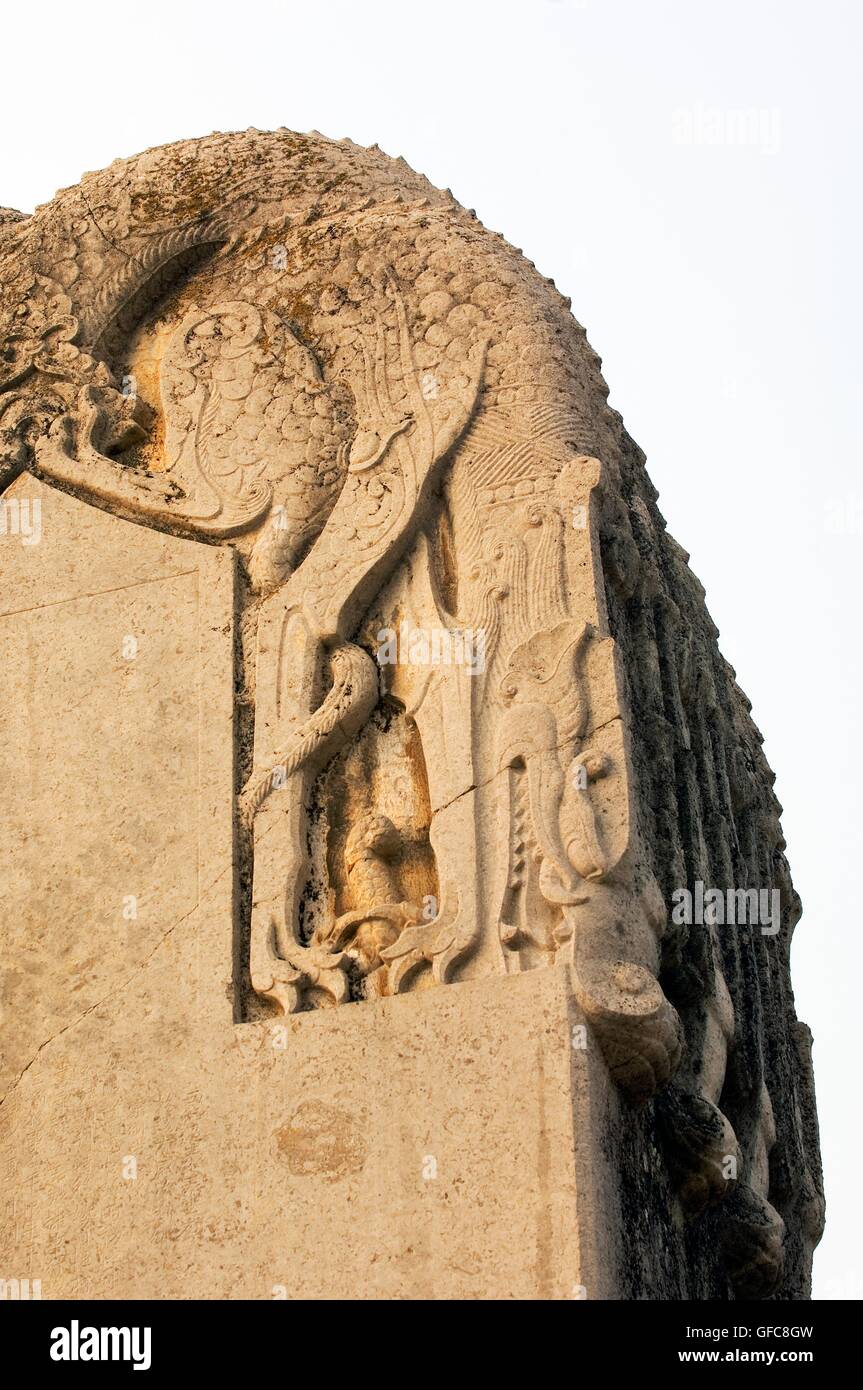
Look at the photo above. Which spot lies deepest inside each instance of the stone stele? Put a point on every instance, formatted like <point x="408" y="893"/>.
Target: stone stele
<point x="363" y="725"/>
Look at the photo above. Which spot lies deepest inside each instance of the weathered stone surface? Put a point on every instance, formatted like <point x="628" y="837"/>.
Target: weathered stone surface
<point x="117" y="759"/>
<point x="352" y="673"/>
<point x="272" y="1165"/>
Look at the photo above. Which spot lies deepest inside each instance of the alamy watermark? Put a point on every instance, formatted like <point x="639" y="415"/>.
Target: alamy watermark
<point x="728" y="907"/>
<point x="20" y="1290"/>
<point x="22" y="517"/>
<point x="436" y="646"/>
<point x="756" y="127"/>
<point x="843" y="516"/>
<point x="77" y="1343"/>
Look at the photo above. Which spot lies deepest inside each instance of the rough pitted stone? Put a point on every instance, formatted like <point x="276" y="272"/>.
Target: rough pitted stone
<point x="351" y="672"/>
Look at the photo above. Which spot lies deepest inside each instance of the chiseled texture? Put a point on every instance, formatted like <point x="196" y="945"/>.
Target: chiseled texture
<point x="300" y="352"/>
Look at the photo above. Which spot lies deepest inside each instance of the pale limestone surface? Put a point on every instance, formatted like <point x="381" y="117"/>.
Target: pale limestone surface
<point x="101" y="750"/>
<point x="271" y="1167"/>
<point x="353" y="675"/>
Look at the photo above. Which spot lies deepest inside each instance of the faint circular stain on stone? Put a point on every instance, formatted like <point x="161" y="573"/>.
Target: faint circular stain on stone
<point x="322" y="1140"/>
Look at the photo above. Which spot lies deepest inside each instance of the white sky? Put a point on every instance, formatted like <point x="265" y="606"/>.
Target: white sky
<point x="720" y="282"/>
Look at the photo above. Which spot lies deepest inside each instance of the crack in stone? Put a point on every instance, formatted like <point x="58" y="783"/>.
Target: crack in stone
<point x="112" y="993"/>
<point x="557" y="748"/>
<point x="133" y="260"/>
<point x="97" y="593"/>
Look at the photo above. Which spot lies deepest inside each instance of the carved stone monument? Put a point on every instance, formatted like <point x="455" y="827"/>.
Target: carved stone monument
<point x="367" y="750"/>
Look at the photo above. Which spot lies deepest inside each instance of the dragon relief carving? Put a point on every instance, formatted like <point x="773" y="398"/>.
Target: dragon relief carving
<point x="396" y="419"/>
<point x="401" y="442"/>
<point x="569" y="894"/>
<point x="326" y="482"/>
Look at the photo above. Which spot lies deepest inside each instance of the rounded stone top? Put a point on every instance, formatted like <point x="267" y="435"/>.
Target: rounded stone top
<point x="317" y="232"/>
